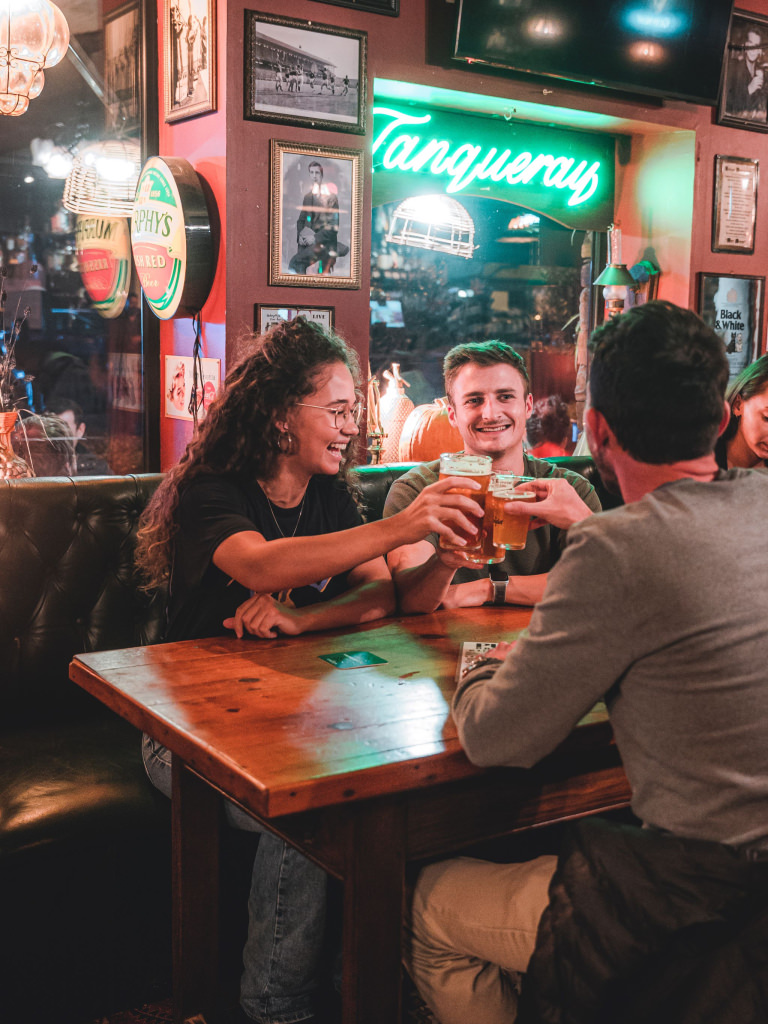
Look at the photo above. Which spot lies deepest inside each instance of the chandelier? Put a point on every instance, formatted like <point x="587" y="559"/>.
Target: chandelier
<point x="439" y="223"/>
<point x="33" y="35"/>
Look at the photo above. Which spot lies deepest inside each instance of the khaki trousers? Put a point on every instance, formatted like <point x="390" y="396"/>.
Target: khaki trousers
<point x="473" y="927"/>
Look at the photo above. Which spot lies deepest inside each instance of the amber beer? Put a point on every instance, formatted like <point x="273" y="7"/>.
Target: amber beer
<point x="509" y="532"/>
<point x="479" y="548"/>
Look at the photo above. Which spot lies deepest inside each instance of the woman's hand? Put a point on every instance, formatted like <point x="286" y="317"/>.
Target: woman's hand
<point x="442" y="508"/>
<point x="261" y="615"/>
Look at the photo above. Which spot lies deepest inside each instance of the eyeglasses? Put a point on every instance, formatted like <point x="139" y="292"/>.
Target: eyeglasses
<point x="341" y="414"/>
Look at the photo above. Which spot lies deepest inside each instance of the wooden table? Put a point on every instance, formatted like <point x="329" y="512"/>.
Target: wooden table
<point x="359" y="769"/>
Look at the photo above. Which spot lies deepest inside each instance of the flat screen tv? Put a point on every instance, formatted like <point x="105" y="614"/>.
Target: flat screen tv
<point x="669" y="48"/>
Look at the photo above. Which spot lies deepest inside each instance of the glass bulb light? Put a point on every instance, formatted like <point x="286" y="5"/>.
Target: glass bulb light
<point x="33" y="34"/>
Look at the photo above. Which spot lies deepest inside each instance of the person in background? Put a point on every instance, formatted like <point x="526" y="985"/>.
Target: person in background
<point x="660" y="607"/>
<point x="233" y="529"/>
<point x="87" y="462"/>
<point x="548" y="427"/>
<point x="47" y="446"/>
<point x="745" y="440"/>
<point x="489" y="402"/>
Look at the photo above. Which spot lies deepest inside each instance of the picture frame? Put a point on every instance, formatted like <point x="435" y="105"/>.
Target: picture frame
<point x="734" y="204"/>
<point x="189" y="42"/>
<point x="301" y="74"/>
<point x="316" y="216"/>
<point x="390" y="7"/>
<point x="265" y="317"/>
<point x="743" y="101"/>
<point x="122" y="71"/>
<point x="733" y="307"/>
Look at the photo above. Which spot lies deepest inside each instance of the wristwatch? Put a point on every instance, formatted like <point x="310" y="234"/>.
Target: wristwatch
<point x="499" y="591"/>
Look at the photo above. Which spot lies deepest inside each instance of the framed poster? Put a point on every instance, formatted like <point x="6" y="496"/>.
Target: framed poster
<point x="178" y="385"/>
<point x="733" y="308"/>
<point x="391" y="7"/>
<point x="735" y="204"/>
<point x="265" y="317"/>
<point x="189" y="58"/>
<point x="310" y="76"/>
<point x="316" y="216"/>
<point x="744" y="88"/>
<point x="122" y="73"/>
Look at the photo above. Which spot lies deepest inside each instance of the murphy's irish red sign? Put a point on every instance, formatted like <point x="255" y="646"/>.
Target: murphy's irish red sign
<point x="171" y="238"/>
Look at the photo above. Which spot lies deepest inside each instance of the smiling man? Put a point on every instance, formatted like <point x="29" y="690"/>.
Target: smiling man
<point x="489" y="402"/>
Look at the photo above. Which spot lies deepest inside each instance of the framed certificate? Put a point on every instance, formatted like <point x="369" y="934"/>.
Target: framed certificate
<point x="735" y="204"/>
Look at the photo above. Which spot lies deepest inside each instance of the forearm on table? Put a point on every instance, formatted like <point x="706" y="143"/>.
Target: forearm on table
<point x="422" y="588"/>
<point x="526" y="590"/>
<point x="374" y="599"/>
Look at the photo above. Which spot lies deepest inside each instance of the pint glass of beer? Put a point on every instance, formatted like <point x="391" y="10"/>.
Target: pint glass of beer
<point x="480" y="548"/>
<point x="509" y="532"/>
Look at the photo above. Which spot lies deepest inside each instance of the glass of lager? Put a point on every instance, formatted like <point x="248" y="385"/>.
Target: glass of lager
<point x="479" y="549"/>
<point x="509" y="532"/>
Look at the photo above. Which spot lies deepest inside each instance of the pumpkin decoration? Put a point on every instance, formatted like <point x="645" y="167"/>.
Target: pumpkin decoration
<point x="428" y="432"/>
<point x="395" y="409"/>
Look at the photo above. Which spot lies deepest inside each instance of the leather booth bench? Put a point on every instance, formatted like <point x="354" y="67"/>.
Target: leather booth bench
<point x="84" y="837"/>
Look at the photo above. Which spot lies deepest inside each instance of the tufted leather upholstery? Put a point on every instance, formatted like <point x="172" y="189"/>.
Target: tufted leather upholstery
<point x="74" y="800"/>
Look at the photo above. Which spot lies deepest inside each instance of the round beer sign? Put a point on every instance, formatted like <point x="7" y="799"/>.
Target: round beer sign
<point x="171" y="238"/>
<point x="103" y="249"/>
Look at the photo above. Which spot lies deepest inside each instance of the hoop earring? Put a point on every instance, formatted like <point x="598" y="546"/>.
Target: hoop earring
<point x="285" y="443"/>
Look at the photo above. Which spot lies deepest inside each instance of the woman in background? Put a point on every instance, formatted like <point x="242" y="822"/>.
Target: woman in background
<point x="233" y="531"/>
<point x="548" y="427"/>
<point x="744" y="443"/>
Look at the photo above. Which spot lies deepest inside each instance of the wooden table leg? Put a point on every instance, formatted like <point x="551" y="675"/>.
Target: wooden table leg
<point x="195" y="823"/>
<point x="374" y="887"/>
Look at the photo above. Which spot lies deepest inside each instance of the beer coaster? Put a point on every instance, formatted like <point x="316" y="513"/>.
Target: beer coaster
<point x="353" y="659"/>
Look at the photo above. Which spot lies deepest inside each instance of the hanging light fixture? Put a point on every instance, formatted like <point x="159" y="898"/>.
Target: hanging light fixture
<point x="439" y="223"/>
<point x="103" y="178"/>
<point x="615" y="278"/>
<point x="33" y="35"/>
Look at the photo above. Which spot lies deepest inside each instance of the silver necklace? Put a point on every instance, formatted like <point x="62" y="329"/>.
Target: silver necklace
<point x="274" y="518"/>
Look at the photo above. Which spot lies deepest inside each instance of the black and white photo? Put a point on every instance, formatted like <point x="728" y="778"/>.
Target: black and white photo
<point x="122" y="45"/>
<point x="190" y="58"/>
<point x="390" y="7"/>
<point x="295" y="74"/>
<point x="744" y="89"/>
<point x="316" y="216"/>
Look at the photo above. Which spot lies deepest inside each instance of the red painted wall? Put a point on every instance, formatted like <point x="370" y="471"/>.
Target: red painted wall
<point x="233" y="155"/>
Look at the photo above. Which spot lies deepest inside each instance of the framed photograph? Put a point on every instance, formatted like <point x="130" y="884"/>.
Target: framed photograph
<point x="265" y="317"/>
<point x="310" y="76"/>
<point x="316" y="216"/>
<point x="744" y="88"/>
<point x="733" y="307"/>
<point x="391" y="7"/>
<point x="189" y="58"/>
<point x="735" y="204"/>
<point x="122" y="74"/>
<point x="178" y="385"/>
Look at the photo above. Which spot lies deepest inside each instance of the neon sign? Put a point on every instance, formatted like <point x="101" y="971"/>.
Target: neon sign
<point x="568" y="175"/>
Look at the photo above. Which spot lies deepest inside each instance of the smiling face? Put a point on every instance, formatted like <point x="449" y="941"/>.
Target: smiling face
<point x="752" y="434"/>
<point x="321" y="446"/>
<point x="490" y="406"/>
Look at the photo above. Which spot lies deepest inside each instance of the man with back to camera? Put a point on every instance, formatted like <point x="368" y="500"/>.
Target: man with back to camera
<point x="660" y="605"/>
<point x="489" y="402"/>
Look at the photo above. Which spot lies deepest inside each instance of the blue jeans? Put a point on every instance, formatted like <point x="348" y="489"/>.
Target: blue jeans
<point x="286" y="915"/>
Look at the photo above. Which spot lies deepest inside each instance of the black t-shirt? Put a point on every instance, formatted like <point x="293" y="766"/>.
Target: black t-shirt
<point x="212" y="508"/>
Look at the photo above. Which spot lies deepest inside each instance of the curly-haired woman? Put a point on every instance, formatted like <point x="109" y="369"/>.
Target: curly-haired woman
<point x="233" y="530"/>
<point x="744" y="443"/>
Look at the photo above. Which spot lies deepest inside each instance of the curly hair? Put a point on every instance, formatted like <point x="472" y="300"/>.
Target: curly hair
<point x="238" y="436"/>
